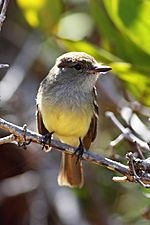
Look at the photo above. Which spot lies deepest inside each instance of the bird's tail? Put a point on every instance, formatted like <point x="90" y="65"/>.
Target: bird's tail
<point x="71" y="172"/>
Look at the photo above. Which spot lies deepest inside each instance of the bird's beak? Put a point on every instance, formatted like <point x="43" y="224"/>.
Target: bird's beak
<point x="101" y="68"/>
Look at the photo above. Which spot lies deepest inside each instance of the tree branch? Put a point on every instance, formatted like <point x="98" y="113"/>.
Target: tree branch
<point x="126" y="133"/>
<point x="22" y="135"/>
<point x="2" y="18"/>
<point x="3" y="12"/>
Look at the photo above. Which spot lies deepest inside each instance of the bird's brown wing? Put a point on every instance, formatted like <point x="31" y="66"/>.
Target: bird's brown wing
<point x="91" y="134"/>
<point x="40" y="125"/>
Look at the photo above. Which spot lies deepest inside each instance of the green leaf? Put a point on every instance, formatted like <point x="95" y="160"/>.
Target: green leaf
<point x="132" y="19"/>
<point x="43" y="13"/>
<point x="121" y="40"/>
<point x="136" y="80"/>
<point x="84" y="46"/>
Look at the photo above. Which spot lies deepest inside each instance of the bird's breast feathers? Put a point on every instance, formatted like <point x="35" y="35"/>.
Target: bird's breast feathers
<point x="67" y="112"/>
<point x="66" y="121"/>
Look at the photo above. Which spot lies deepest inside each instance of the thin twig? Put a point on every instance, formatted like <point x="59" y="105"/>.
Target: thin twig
<point x="117" y="140"/>
<point x="89" y="156"/>
<point x="137" y="178"/>
<point x="127" y="132"/>
<point x="3" y="12"/>
<point x="4" y="66"/>
<point x="2" y="18"/>
<point x="8" y="139"/>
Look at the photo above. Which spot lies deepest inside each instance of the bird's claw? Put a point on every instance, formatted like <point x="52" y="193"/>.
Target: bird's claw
<point x="24" y="144"/>
<point x="79" y="151"/>
<point x="47" y="140"/>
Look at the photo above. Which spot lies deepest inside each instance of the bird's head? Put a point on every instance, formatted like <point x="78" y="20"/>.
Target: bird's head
<point x="80" y="63"/>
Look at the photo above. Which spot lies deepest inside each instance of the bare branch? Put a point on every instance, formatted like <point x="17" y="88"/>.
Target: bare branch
<point x="4" y="66"/>
<point x="22" y="134"/>
<point x="126" y="132"/>
<point x="8" y="139"/>
<point x="138" y="166"/>
<point x="2" y="18"/>
<point x="3" y="12"/>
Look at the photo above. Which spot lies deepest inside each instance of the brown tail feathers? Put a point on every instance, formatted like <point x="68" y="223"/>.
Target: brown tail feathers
<point x="71" y="173"/>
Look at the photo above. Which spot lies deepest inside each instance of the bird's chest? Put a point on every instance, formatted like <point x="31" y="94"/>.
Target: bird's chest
<point x="67" y="114"/>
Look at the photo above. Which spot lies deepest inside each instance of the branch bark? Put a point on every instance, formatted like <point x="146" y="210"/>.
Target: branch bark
<point x="3" y="6"/>
<point x="3" y="12"/>
<point x="21" y="135"/>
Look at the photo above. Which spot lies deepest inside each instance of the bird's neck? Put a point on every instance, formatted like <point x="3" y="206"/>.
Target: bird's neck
<point x="71" y="84"/>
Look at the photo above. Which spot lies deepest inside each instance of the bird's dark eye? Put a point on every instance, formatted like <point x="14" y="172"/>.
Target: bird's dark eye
<point x="78" y="66"/>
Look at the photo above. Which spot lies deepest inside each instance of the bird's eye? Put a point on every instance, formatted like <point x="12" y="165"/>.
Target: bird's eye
<point x="78" y="66"/>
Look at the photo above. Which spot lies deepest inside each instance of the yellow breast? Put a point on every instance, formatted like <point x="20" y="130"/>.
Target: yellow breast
<point x="66" y="122"/>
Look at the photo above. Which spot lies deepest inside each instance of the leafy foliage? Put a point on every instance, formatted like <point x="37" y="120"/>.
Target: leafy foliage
<point x="126" y="26"/>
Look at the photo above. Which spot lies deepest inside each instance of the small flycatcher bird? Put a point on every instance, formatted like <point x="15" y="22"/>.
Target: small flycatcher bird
<point x="66" y="107"/>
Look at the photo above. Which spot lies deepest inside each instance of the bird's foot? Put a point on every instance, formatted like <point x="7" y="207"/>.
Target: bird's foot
<point x="79" y="151"/>
<point x="46" y="142"/>
<point x="24" y="144"/>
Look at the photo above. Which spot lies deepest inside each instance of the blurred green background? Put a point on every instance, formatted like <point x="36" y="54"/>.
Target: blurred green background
<point x="34" y="34"/>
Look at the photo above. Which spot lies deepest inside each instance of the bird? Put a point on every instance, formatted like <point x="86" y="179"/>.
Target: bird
<point x="67" y="109"/>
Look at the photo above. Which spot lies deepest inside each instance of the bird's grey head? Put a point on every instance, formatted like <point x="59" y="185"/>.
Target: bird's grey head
<point x="79" y="64"/>
<point x="77" y="69"/>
